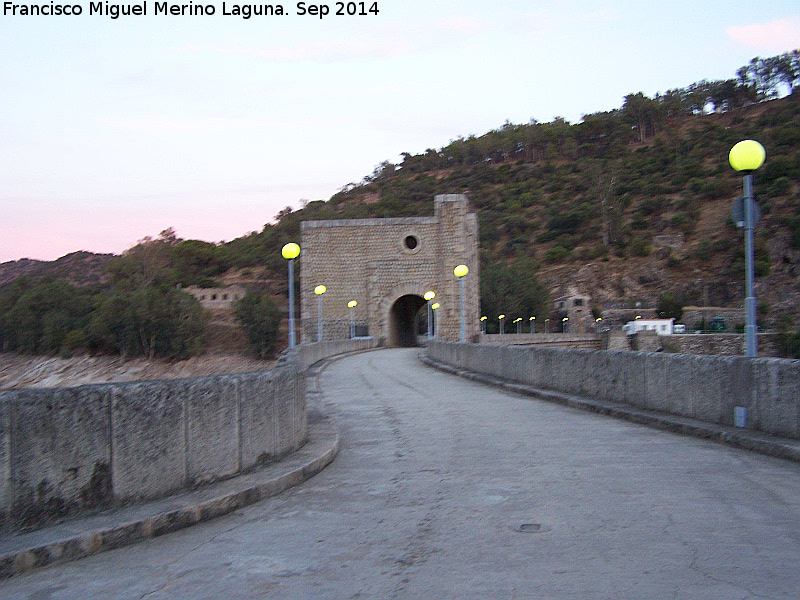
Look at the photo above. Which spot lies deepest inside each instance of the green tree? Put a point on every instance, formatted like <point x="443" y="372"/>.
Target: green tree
<point x="512" y="289"/>
<point x="151" y="321"/>
<point x="260" y="318"/>
<point x="44" y="316"/>
<point x="669" y="307"/>
<point x="148" y="262"/>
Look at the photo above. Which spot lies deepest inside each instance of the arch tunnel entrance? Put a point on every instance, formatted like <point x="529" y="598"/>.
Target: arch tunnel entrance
<point x="404" y="317"/>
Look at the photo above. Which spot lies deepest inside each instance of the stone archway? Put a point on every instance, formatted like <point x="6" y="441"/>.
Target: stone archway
<point x="403" y="320"/>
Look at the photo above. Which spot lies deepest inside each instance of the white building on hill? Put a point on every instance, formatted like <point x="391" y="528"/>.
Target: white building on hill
<point x="660" y="326"/>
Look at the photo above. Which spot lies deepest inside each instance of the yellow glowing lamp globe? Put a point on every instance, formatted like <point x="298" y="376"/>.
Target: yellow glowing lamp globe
<point x="461" y="270"/>
<point x="435" y="305"/>
<point x="290" y="251"/>
<point x="352" y="304"/>
<point x="319" y="290"/>
<point x="429" y="295"/>
<point x="747" y="155"/>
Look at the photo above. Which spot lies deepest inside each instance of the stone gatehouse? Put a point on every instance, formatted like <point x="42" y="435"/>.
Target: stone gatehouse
<point x="387" y="266"/>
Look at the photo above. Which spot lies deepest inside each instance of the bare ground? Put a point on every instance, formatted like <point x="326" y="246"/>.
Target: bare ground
<point x="18" y="371"/>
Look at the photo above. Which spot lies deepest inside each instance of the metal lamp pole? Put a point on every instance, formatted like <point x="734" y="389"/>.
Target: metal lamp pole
<point x="290" y="252"/>
<point x="428" y="297"/>
<point x="319" y="290"/>
<point x="461" y="271"/>
<point x="351" y="305"/>
<point x="434" y="307"/>
<point x="746" y="157"/>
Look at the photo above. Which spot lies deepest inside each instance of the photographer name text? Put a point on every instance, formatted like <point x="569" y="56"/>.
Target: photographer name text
<point x="192" y="9"/>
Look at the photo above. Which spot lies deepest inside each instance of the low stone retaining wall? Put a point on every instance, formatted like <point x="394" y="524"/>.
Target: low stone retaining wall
<point x="707" y="388"/>
<point x="588" y="341"/>
<point x="66" y="450"/>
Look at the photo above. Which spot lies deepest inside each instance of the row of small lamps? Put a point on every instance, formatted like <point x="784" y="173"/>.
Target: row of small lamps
<point x="518" y="322"/>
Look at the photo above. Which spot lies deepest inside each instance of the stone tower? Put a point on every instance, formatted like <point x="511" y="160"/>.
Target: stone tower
<point x="386" y="266"/>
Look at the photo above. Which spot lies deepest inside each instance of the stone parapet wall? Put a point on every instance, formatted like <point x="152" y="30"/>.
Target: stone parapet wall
<point x="67" y="450"/>
<point x="576" y="341"/>
<point x="693" y="316"/>
<point x="707" y="388"/>
<point x="720" y="344"/>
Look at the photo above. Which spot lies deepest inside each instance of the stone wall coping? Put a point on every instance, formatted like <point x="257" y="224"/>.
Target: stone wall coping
<point x="370" y="222"/>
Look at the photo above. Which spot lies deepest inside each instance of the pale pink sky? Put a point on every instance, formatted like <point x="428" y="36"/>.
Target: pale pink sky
<point x="112" y="130"/>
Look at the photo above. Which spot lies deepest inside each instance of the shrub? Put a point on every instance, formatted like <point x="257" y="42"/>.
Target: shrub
<point x="260" y="318"/>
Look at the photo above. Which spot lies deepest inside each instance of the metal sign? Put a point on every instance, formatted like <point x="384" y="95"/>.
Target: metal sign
<point x="737" y="212"/>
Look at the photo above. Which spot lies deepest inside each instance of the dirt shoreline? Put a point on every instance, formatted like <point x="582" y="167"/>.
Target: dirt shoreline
<point x="21" y="372"/>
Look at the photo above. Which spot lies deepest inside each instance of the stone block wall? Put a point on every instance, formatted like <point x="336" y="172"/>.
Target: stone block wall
<point x="707" y="388"/>
<point x="378" y="261"/>
<point x="589" y="341"/>
<point x="63" y="451"/>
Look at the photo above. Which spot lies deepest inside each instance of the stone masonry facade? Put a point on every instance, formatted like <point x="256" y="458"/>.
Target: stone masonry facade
<point x="386" y="266"/>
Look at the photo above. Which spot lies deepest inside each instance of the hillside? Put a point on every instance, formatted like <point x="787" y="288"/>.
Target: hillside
<point x="622" y="219"/>
<point x="78" y="268"/>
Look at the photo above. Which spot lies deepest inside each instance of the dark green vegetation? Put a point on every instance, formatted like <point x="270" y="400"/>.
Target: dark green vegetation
<point x="628" y="206"/>
<point x="261" y="319"/>
<point x="139" y="312"/>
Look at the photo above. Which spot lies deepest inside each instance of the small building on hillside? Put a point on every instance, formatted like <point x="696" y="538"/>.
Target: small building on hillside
<point x="221" y="298"/>
<point x="660" y="326"/>
<point x="575" y="308"/>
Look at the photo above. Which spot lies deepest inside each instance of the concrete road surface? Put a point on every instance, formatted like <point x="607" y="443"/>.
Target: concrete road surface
<point x="448" y="489"/>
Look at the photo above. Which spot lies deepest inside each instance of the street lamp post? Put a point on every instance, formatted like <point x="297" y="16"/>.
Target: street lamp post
<point x="533" y="324"/>
<point x="319" y="290"/>
<point x="461" y="271"/>
<point x="518" y="321"/>
<point x="547" y="325"/>
<point x="290" y="252"/>
<point x="434" y="306"/>
<point x="351" y="305"/>
<point x="500" y="318"/>
<point x="746" y="157"/>
<point x="428" y="297"/>
<point x="483" y="324"/>
<point x="564" y="324"/>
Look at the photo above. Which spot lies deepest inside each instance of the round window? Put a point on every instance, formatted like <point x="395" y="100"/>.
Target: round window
<point x="411" y="242"/>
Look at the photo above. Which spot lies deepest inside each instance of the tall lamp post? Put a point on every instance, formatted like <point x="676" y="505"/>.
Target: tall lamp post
<point x="351" y="305"/>
<point x="746" y="157"/>
<point x="483" y="324"/>
<point x="500" y="318"/>
<point x="319" y="290"/>
<point x="461" y="271"/>
<point x="533" y="324"/>
<point x="518" y="321"/>
<point x="290" y="252"/>
<point x="564" y="324"/>
<point x="434" y="306"/>
<point x="428" y="297"/>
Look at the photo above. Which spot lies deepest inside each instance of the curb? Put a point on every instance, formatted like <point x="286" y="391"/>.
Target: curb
<point x="746" y="439"/>
<point x="116" y="528"/>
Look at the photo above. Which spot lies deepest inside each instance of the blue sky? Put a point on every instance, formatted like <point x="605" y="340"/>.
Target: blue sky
<point x="111" y="130"/>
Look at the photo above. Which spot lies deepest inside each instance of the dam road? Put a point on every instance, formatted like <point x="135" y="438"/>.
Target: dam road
<point x="446" y="489"/>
